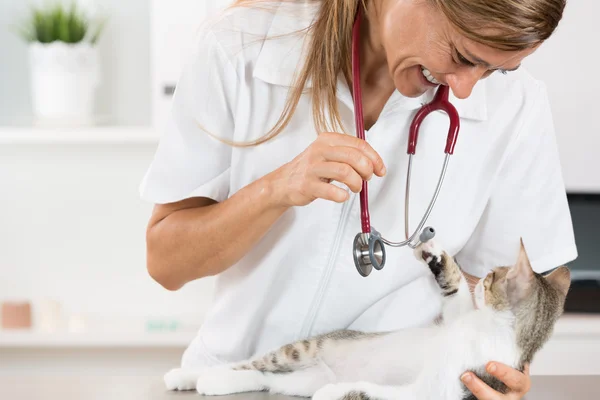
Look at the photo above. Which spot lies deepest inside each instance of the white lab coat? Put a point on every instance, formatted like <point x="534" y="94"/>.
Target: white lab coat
<point x="504" y="182"/>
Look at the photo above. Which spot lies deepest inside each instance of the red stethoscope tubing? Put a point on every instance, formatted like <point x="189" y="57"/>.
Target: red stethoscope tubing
<point x="439" y="102"/>
<point x="358" y="115"/>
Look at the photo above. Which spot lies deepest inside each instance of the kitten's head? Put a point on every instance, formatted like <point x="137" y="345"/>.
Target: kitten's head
<point x="524" y="292"/>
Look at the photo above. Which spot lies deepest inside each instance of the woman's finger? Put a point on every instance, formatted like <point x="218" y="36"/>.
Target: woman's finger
<point x="479" y="388"/>
<point x="340" y="172"/>
<point x="352" y="157"/>
<point x="327" y="191"/>
<point x="516" y="380"/>
<point x="340" y="139"/>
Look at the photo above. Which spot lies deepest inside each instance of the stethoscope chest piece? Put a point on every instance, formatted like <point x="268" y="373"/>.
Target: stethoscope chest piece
<point x="369" y="252"/>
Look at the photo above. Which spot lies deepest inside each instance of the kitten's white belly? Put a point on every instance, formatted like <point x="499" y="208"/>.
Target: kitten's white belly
<point x="440" y="352"/>
<point x="469" y="343"/>
<point x="481" y="338"/>
<point x="396" y="358"/>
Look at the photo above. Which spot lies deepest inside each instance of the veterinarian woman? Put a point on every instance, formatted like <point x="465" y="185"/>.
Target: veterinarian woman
<point x="256" y="174"/>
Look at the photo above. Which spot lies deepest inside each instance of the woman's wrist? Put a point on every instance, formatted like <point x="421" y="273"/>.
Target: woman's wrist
<point x="268" y="191"/>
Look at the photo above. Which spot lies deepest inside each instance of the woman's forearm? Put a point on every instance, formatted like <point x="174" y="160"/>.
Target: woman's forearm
<point x="186" y="242"/>
<point x="191" y="239"/>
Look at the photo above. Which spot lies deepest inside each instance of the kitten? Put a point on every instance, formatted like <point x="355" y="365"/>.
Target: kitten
<point x="512" y="317"/>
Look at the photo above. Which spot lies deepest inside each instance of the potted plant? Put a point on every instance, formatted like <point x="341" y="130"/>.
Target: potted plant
<point x="64" y="62"/>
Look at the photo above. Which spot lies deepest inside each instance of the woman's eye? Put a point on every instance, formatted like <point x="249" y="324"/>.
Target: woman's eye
<point x="462" y="60"/>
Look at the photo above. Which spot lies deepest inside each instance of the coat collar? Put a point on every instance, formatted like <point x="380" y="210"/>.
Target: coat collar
<point x="282" y="53"/>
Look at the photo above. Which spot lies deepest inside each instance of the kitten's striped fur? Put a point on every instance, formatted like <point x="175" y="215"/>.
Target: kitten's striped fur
<point x="301" y="354"/>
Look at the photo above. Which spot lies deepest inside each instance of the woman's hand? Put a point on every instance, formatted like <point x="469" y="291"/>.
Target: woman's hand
<point x="331" y="157"/>
<point x="518" y="383"/>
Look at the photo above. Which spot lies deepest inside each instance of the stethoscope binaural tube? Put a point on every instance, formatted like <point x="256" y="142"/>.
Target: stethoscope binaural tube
<point x="369" y="245"/>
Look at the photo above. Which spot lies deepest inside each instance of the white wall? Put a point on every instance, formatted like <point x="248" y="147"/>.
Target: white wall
<point x="123" y="98"/>
<point x="73" y="229"/>
<point x="566" y="63"/>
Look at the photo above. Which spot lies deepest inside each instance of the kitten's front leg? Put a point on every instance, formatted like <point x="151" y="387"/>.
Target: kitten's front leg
<point x="447" y="273"/>
<point x="224" y="380"/>
<point x="364" y="391"/>
<point x="215" y="380"/>
<point x="181" y="379"/>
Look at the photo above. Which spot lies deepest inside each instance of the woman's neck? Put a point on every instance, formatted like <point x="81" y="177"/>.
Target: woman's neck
<point x="374" y="67"/>
<point x="376" y="83"/>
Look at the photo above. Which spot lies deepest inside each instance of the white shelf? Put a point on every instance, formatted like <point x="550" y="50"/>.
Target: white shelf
<point x="24" y="135"/>
<point x="25" y="339"/>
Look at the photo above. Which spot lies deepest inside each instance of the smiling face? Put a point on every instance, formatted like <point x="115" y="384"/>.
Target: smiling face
<point x="423" y="48"/>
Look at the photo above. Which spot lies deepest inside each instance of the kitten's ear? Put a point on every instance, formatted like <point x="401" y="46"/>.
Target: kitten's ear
<point x="519" y="278"/>
<point x="522" y="270"/>
<point x="560" y="279"/>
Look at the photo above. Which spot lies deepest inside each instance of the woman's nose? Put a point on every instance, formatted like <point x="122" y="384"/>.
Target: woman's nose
<point x="463" y="80"/>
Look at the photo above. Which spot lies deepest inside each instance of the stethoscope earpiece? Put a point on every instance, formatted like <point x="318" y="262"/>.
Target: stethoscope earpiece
<point x="427" y="234"/>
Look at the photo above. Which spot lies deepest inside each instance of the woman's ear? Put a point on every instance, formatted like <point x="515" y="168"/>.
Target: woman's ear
<point x="560" y="279"/>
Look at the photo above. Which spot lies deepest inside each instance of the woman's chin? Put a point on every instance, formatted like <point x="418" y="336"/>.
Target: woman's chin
<point x="411" y="82"/>
<point x="411" y="90"/>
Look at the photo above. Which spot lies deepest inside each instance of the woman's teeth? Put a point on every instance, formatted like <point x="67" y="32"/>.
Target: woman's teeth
<point x="428" y="76"/>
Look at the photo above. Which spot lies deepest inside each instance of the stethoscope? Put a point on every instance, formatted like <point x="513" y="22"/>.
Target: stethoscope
<point x="369" y="250"/>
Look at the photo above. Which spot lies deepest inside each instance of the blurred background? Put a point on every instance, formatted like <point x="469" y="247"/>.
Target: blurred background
<point x="78" y="128"/>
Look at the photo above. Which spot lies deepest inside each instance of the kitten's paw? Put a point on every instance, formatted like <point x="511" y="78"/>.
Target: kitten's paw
<point x="429" y="252"/>
<point x="341" y="391"/>
<point x="443" y="267"/>
<point x="181" y="379"/>
<point x="224" y="380"/>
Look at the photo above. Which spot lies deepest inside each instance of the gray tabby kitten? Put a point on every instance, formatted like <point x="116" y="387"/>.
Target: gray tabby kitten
<point x="513" y="316"/>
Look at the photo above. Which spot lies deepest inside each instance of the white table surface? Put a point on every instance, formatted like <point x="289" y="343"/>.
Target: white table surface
<point x="151" y="388"/>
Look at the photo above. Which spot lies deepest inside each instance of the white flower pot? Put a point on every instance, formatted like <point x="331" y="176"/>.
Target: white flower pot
<point x="64" y="78"/>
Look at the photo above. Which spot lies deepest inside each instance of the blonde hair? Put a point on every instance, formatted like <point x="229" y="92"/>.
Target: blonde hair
<point x="502" y="24"/>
